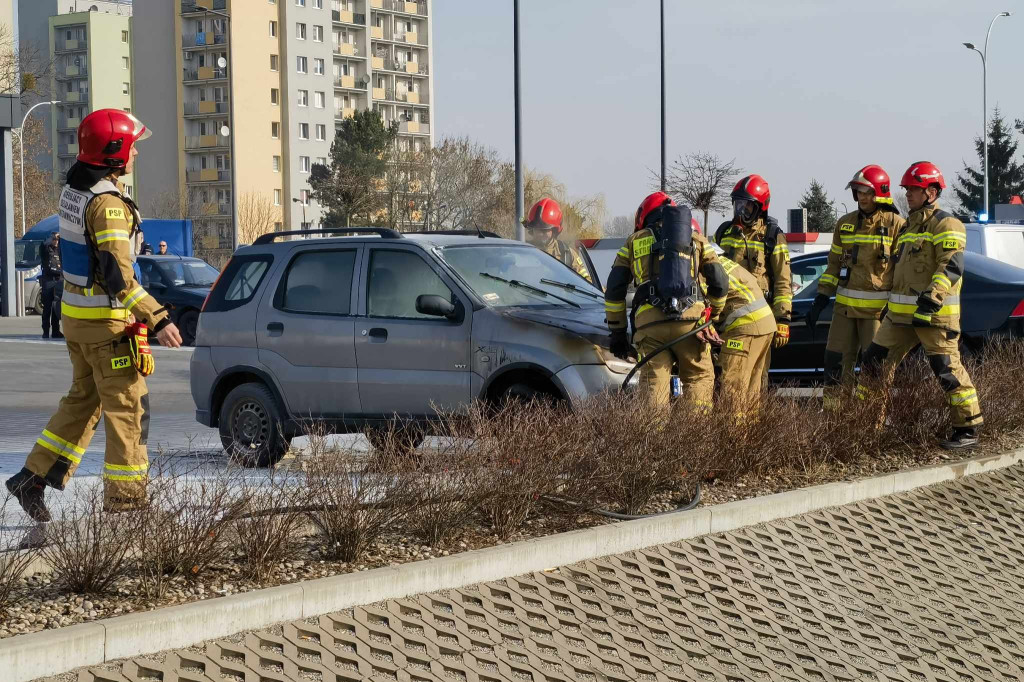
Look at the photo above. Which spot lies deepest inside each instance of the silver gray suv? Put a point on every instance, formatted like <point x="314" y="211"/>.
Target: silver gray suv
<point x="358" y="332"/>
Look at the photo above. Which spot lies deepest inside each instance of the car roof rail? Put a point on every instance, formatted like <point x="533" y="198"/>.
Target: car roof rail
<point x="459" y="233"/>
<point x="383" y="232"/>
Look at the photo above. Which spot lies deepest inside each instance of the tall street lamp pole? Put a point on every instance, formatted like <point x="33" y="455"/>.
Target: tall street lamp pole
<point x="663" y="182"/>
<point x="984" y="106"/>
<point x="21" y="146"/>
<point x="520" y="228"/>
<point x="299" y="201"/>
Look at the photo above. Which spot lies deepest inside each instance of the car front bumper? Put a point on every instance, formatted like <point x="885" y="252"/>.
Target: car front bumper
<point x="584" y="381"/>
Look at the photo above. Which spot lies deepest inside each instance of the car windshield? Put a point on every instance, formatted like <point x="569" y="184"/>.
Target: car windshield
<point x="505" y="275"/>
<point x="26" y="253"/>
<point x="189" y="273"/>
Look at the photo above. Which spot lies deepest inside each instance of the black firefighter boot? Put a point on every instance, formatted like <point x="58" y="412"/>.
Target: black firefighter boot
<point x="28" y="489"/>
<point x="963" y="438"/>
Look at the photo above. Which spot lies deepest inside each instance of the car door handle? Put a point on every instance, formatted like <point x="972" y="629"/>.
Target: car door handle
<point x="275" y="328"/>
<point x="378" y="335"/>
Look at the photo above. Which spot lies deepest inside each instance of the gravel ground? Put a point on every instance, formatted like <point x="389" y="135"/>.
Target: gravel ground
<point x="35" y="608"/>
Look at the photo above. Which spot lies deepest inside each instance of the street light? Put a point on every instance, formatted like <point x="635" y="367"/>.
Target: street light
<point x="21" y="146"/>
<point x="984" y="107"/>
<point x="520" y="228"/>
<point x="843" y="204"/>
<point x="299" y="201"/>
<point x="663" y="95"/>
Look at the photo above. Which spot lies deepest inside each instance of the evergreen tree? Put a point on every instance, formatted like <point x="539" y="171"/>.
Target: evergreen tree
<point x="1005" y="175"/>
<point x="821" y="211"/>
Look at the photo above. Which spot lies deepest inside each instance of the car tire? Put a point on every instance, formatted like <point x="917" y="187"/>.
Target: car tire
<point x="188" y="323"/>
<point x="251" y="427"/>
<point x="37" y="306"/>
<point x="521" y="392"/>
<point x="402" y="440"/>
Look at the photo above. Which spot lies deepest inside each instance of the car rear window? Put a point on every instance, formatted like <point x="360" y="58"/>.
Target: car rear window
<point x="238" y="283"/>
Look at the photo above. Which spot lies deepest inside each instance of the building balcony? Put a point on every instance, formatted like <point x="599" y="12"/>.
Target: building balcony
<point x="71" y="45"/>
<point x="205" y="73"/>
<point x="409" y="67"/>
<point x="408" y="37"/>
<point x="376" y="4"/>
<point x="74" y="97"/>
<point x="347" y="49"/>
<point x="194" y="6"/>
<point x="414" y="128"/>
<point x="377" y="32"/>
<point x="206" y="108"/>
<point x="67" y="150"/>
<point x="207" y="175"/>
<point x="210" y="209"/>
<point x="203" y="39"/>
<point x="345" y="82"/>
<point x="347" y="17"/>
<point x="70" y="72"/>
<point x="203" y="142"/>
<point x="68" y="123"/>
<point x="342" y="114"/>
<point x="379" y="93"/>
<point x="415" y="8"/>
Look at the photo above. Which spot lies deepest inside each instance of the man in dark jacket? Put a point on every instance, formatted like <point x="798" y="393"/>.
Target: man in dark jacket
<point x="51" y="285"/>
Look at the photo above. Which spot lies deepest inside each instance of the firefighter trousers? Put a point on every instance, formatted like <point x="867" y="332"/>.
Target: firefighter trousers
<point x="692" y="356"/>
<point x="941" y="347"/>
<point x="847" y="339"/>
<point x="743" y="361"/>
<point x="104" y="381"/>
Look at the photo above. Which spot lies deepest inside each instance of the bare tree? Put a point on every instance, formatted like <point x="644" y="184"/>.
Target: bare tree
<point x="702" y="179"/>
<point x="899" y="200"/>
<point x="460" y="185"/>
<point x="42" y="192"/>
<point x="257" y="215"/>
<point x="583" y="216"/>
<point x="619" y="226"/>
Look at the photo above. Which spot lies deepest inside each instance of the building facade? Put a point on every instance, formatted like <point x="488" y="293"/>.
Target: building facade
<point x="278" y="78"/>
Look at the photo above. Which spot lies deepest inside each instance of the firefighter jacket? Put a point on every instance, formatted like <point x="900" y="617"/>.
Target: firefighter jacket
<point x="746" y="311"/>
<point x="859" y="272"/>
<point x="634" y="264"/>
<point x="928" y="270"/>
<point x="568" y="255"/>
<point x="49" y="261"/>
<point x="769" y="266"/>
<point x="97" y="228"/>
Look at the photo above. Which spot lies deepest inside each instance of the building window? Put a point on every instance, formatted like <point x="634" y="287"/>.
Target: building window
<point x="124" y="88"/>
<point x="304" y="197"/>
<point x="124" y="36"/>
<point x="318" y="4"/>
<point x="303" y="131"/>
<point x="273" y="29"/>
<point x="274" y="96"/>
<point x="321" y="132"/>
<point x="318" y="34"/>
<point x="129" y="190"/>
<point x="303" y="164"/>
<point x="300" y="3"/>
<point x="277" y="197"/>
<point x="321" y="160"/>
<point x="277" y="164"/>
<point x="301" y="65"/>
<point x="274" y="61"/>
<point x="300" y="31"/>
<point x="319" y="100"/>
<point x="275" y="129"/>
<point x="318" y="66"/>
<point x="303" y="98"/>
<point x="124" y="62"/>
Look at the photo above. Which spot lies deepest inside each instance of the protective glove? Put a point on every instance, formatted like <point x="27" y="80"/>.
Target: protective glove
<point x="138" y="349"/>
<point x="819" y="304"/>
<point x="922" y="318"/>
<point x="781" y="335"/>
<point x="619" y="344"/>
<point x="926" y="307"/>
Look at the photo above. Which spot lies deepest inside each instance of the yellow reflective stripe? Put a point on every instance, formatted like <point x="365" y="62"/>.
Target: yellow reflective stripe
<point x="717" y="302"/>
<point x="829" y="279"/>
<point x="926" y="318"/>
<point x="836" y="249"/>
<point x="782" y="299"/>
<point x="112" y="235"/>
<point x="741" y="289"/>
<point x="127" y="467"/>
<point x="942" y="279"/>
<point x="866" y="239"/>
<point x="66" y="443"/>
<point x="624" y="252"/>
<point x="781" y="247"/>
<point x="852" y="302"/>
<point x="967" y="397"/>
<point x="754" y="316"/>
<point x="708" y="249"/>
<point x="914" y="236"/>
<point x="105" y="313"/>
<point x="124" y="477"/>
<point x="134" y="297"/>
<point x="959" y="236"/>
<point x="742" y="243"/>
<point x="911" y="309"/>
<point x="614" y="307"/>
<point x="59" y="452"/>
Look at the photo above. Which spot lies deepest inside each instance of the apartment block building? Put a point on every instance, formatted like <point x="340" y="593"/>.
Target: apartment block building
<point x="278" y="79"/>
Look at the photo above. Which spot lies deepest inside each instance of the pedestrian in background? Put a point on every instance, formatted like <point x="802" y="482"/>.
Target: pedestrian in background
<point x="51" y="285"/>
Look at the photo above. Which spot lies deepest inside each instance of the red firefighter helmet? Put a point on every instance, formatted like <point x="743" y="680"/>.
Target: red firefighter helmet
<point x="695" y="225"/>
<point x="874" y="178"/>
<point x="650" y="209"/>
<point x="545" y="214"/>
<point x="753" y="188"/>
<point x="106" y="136"/>
<point x="923" y="174"/>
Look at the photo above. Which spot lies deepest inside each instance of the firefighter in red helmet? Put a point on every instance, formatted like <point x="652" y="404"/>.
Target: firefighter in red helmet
<point x="754" y="240"/>
<point x="101" y="304"/>
<point x="544" y="227"/>
<point x="924" y="306"/>
<point x="859" y="275"/>
<point x="679" y="284"/>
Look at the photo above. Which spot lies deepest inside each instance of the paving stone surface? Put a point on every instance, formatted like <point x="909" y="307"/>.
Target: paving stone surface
<point x="922" y="586"/>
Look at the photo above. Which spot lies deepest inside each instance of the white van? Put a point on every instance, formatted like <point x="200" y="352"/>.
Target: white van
<point x="1001" y="241"/>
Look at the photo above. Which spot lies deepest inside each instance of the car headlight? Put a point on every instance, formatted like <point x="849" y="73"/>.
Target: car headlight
<point x="613" y="363"/>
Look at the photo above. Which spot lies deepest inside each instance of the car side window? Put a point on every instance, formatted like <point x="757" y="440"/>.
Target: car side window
<point x="148" y="278"/>
<point x="318" y="282"/>
<point x="396" y="279"/>
<point x="806" y="273"/>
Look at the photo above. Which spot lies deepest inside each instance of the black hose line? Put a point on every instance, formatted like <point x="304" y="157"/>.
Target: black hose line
<point x="663" y="347"/>
<point x="694" y="501"/>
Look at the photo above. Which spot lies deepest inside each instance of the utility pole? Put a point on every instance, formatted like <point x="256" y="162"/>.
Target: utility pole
<point x="520" y="229"/>
<point x="663" y="180"/>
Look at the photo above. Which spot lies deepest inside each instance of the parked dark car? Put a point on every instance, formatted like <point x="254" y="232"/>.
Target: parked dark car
<point x="182" y="285"/>
<point x="991" y="304"/>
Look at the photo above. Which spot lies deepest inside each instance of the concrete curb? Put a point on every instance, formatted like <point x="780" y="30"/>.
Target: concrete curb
<point x="27" y="657"/>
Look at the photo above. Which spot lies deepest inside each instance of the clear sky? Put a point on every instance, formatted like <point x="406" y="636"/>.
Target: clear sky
<point x="793" y="89"/>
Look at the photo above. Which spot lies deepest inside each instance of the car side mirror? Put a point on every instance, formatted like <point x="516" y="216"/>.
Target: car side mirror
<point x="436" y="306"/>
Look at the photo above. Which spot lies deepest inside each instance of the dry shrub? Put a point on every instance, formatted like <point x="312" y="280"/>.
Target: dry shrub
<point x="183" y="530"/>
<point x="998" y="375"/>
<point x="88" y="548"/>
<point x="267" y="521"/>
<point x="445" y="485"/>
<point x="352" y="504"/>
<point x="13" y="561"/>
<point x="519" y="446"/>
